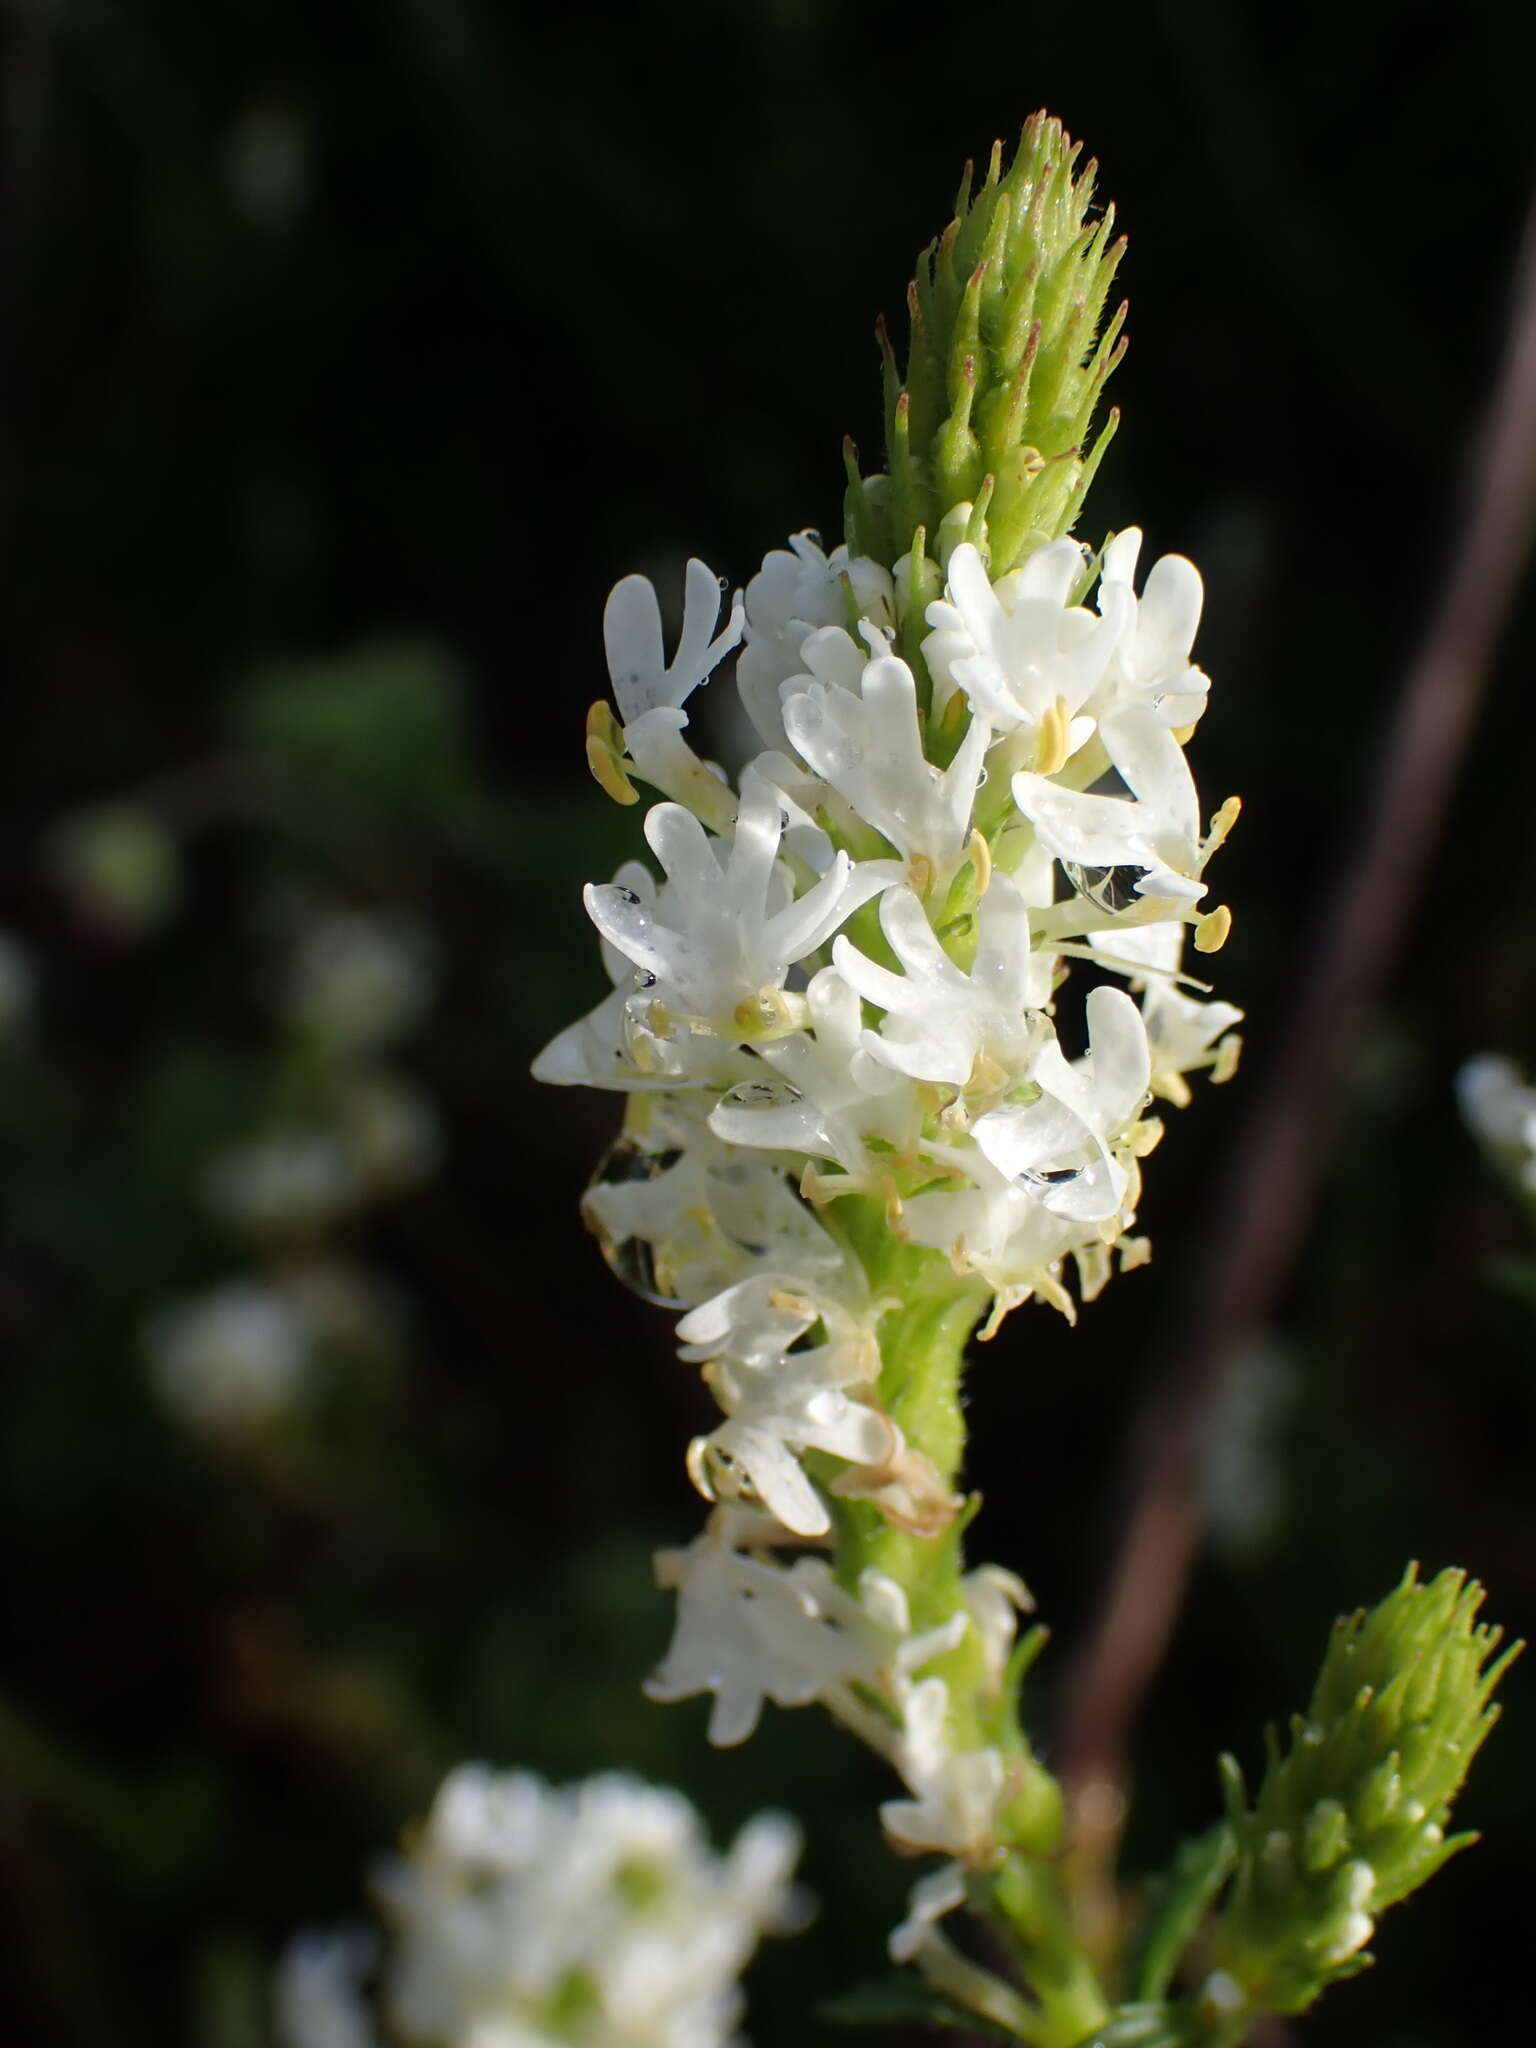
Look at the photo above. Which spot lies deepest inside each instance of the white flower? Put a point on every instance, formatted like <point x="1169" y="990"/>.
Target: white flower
<point x="828" y="1094"/>
<point x="1151" y="663"/>
<point x="1182" y="1033"/>
<point x="1016" y="646"/>
<point x="298" y="1178"/>
<point x="855" y="723"/>
<point x="782" y="1401"/>
<point x="750" y="1630"/>
<point x="734" y="928"/>
<point x="934" y="1895"/>
<point x="1064" y="1143"/>
<point x="232" y="1359"/>
<point x="359" y="979"/>
<point x="594" y="1915"/>
<point x="650" y="691"/>
<point x="1153" y="836"/>
<point x="317" y="1995"/>
<point x="940" y="1022"/>
<point x="790" y="596"/>
<point x="623" y="1043"/>
<point x="643" y="679"/>
<point x="999" y="1229"/>
<point x="708" y="1214"/>
<point x="957" y="1794"/>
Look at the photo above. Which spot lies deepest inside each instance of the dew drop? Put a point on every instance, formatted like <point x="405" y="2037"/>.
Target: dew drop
<point x="1112" y="889"/>
<point x="1049" y="1177"/>
<point x="632" y="1259"/>
<point x="763" y="1095"/>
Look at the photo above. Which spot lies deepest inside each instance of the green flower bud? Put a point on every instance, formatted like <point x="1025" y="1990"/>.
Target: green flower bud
<point x="987" y="430"/>
<point x="1353" y="1817"/>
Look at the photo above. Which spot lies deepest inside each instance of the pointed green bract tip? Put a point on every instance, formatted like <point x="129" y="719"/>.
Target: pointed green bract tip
<point x="1353" y="1815"/>
<point x="1008" y="354"/>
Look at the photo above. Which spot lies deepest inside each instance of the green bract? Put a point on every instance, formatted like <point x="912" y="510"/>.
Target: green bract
<point x="988" y="427"/>
<point x="1353" y="1817"/>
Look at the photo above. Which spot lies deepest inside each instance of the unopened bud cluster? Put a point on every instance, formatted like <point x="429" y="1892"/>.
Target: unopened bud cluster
<point x="1353" y="1816"/>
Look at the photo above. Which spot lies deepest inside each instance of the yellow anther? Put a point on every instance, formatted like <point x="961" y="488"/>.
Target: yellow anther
<point x="980" y="855"/>
<point x="1184" y="734"/>
<point x="895" y="1214"/>
<point x="1051" y="738"/>
<point x="920" y="873"/>
<point x="1146" y="1136"/>
<point x="1212" y="929"/>
<point x="1134" y="1252"/>
<point x="605" y="754"/>
<point x="1228" y="1053"/>
<point x="954" y="714"/>
<point x="1223" y="822"/>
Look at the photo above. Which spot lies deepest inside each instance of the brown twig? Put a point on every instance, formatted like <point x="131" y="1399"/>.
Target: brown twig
<point x="1264" y="1197"/>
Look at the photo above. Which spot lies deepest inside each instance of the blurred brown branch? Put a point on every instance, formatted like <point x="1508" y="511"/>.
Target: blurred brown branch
<point x="1263" y="1199"/>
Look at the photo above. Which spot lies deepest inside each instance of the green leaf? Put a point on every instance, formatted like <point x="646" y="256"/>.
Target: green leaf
<point x="1177" y="1903"/>
<point x="905" y="2001"/>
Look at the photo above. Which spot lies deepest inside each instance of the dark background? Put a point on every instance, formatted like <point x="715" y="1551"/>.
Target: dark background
<point x="349" y="354"/>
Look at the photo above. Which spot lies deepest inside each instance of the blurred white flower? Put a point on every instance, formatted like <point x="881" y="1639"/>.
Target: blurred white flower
<point x="359" y="980"/>
<point x="230" y="1360"/>
<point x="595" y="1915"/>
<point x="1499" y="1106"/>
<point x="390" y="1130"/>
<point x="296" y="1179"/>
<point x="317" y="1997"/>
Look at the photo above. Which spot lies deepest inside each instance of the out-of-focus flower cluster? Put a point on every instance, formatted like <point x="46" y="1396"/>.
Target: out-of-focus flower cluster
<point x="346" y="1131"/>
<point x="1499" y="1106"/>
<point x="524" y="1916"/>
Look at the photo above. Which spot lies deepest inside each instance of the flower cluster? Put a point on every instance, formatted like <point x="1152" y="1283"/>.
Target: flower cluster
<point x="526" y="1916"/>
<point x="845" y="997"/>
<point x="848" y="980"/>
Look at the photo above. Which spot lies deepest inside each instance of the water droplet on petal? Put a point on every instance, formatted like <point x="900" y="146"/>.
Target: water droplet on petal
<point x="763" y="1095"/>
<point x="1112" y="889"/>
<point x="632" y="1259"/>
<point x="1048" y="1176"/>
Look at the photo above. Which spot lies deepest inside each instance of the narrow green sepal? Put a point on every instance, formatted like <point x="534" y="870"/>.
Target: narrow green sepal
<point x="1177" y="1903"/>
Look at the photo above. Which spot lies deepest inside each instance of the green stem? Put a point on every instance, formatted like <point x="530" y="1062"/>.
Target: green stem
<point x="922" y="1350"/>
<point x="1027" y="1901"/>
